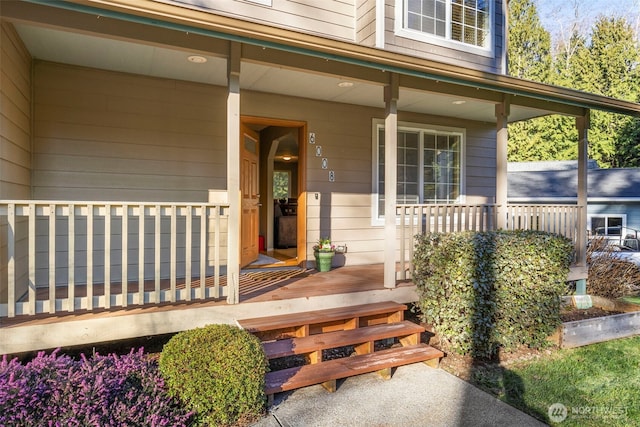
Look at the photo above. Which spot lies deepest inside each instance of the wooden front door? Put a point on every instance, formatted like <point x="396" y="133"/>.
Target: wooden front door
<point x="249" y="217"/>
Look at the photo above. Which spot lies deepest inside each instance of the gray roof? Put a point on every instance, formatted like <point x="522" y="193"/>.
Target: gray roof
<point x="563" y="182"/>
<point x="549" y="165"/>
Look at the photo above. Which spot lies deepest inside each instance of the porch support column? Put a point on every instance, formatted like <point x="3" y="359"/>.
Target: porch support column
<point x="391" y="94"/>
<point x="233" y="172"/>
<point x="582" y="124"/>
<point x="502" y="116"/>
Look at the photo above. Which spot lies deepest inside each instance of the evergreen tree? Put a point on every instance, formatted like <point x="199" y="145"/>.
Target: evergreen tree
<point x="529" y="58"/>
<point x="610" y="66"/>
<point x="529" y="43"/>
<point x="607" y="63"/>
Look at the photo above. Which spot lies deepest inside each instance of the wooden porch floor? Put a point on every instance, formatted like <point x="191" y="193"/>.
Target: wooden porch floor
<point x="264" y="285"/>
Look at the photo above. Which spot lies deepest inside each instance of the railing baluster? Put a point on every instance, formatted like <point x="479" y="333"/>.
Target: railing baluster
<point x="415" y="221"/>
<point x="141" y="254"/>
<point x="403" y="227"/>
<point x="32" y="258"/>
<point x="71" y="258"/>
<point x="107" y="256"/>
<point x="90" y="232"/>
<point x="52" y="258"/>
<point x="187" y="250"/>
<point x="125" y="255"/>
<point x="156" y="274"/>
<point x="203" y="253"/>
<point x="172" y="254"/>
<point x="11" y="257"/>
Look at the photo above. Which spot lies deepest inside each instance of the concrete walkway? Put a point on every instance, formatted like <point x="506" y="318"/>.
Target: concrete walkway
<point x="416" y="396"/>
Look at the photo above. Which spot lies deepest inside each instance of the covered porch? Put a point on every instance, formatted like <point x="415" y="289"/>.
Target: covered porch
<point x="305" y="290"/>
<point x="83" y="257"/>
<point x="115" y="138"/>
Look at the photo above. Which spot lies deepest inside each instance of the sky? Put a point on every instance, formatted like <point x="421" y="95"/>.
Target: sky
<point x="558" y="15"/>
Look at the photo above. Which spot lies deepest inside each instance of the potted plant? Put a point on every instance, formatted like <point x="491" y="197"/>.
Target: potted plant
<point x="324" y="252"/>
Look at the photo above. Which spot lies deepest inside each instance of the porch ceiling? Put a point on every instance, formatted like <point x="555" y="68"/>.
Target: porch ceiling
<point x="137" y="57"/>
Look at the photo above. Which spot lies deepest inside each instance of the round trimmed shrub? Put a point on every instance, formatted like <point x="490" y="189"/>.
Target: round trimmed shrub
<point x="218" y="372"/>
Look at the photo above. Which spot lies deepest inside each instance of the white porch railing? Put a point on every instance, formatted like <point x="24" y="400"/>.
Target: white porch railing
<point x="420" y="219"/>
<point x="102" y="254"/>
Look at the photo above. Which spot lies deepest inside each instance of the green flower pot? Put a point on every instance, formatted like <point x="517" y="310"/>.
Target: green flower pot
<point x="323" y="260"/>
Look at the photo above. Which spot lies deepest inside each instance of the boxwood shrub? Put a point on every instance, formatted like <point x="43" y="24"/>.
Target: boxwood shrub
<point x="56" y="390"/>
<point x="218" y="372"/>
<point x="483" y="291"/>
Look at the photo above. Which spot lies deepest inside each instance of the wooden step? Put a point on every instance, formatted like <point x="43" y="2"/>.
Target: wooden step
<point x="329" y="371"/>
<point x="320" y="321"/>
<point x="408" y="332"/>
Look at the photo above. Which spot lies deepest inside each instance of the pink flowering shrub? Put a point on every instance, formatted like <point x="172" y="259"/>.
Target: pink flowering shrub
<point x="56" y="390"/>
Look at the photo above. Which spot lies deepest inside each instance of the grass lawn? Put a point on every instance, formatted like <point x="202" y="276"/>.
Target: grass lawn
<point x="598" y="384"/>
<point x="632" y="299"/>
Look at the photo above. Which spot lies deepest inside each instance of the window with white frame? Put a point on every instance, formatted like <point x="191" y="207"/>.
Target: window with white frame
<point x="429" y="165"/>
<point x="607" y="225"/>
<point x="465" y="22"/>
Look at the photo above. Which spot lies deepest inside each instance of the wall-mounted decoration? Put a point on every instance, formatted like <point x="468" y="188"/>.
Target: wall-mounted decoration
<point x="312" y="138"/>
<point x="325" y="163"/>
<point x="319" y="151"/>
<point x="332" y="176"/>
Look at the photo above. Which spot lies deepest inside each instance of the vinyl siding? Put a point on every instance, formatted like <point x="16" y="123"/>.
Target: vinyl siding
<point x="15" y="142"/>
<point x="15" y="116"/>
<point x="459" y="57"/>
<point x="343" y="208"/>
<point x="113" y="136"/>
<point x="118" y="137"/>
<point x="366" y="22"/>
<point x="327" y="18"/>
<point x="355" y="21"/>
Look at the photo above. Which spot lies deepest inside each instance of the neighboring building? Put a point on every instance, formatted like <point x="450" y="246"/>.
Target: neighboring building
<point x="613" y="208"/>
<point x="140" y="140"/>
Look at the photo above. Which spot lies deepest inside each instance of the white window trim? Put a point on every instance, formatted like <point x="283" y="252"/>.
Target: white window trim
<point x="378" y="220"/>
<point x="606" y="218"/>
<point x="263" y="2"/>
<point x="445" y="42"/>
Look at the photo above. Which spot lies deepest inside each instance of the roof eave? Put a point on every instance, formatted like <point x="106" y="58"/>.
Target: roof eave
<point x="210" y="24"/>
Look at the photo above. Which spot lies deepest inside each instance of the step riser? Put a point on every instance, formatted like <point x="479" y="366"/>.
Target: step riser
<point x="361" y="326"/>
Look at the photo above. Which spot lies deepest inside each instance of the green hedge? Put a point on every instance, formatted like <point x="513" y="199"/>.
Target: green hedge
<point x="483" y="291"/>
<point x="218" y="372"/>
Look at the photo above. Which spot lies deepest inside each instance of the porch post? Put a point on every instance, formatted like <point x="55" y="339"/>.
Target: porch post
<point x="233" y="172"/>
<point x="583" y="124"/>
<point x="391" y="94"/>
<point x="502" y="115"/>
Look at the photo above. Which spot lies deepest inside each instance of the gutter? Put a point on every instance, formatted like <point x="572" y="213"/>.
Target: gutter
<point x="173" y="17"/>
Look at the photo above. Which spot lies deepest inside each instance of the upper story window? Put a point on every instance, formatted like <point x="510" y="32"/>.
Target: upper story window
<point x="429" y="165"/>
<point x="461" y="24"/>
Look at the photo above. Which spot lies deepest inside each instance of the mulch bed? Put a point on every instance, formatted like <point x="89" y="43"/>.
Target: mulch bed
<point x="461" y="366"/>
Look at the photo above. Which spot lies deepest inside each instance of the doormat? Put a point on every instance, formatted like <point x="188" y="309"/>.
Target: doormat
<point x="256" y="281"/>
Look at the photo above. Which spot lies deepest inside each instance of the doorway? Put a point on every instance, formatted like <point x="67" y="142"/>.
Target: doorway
<point x="281" y="229"/>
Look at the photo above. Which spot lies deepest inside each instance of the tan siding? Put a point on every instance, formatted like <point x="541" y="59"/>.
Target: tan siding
<point x="124" y="147"/>
<point x="15" y="143"/>
<point x="115" y="136"/>
<point x="343" y="208"/>
<point x="329" y="18"/>
<point x="15" y="115"/>
<point x="481" y="164"/>
<point x="366" y="22"/>
<point x="435" y="52"/>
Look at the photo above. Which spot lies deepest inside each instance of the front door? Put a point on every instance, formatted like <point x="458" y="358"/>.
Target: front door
<point x="249" y="220"/>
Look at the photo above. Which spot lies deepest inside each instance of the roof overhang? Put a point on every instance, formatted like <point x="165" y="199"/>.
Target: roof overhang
<point x="149" y="37"/>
